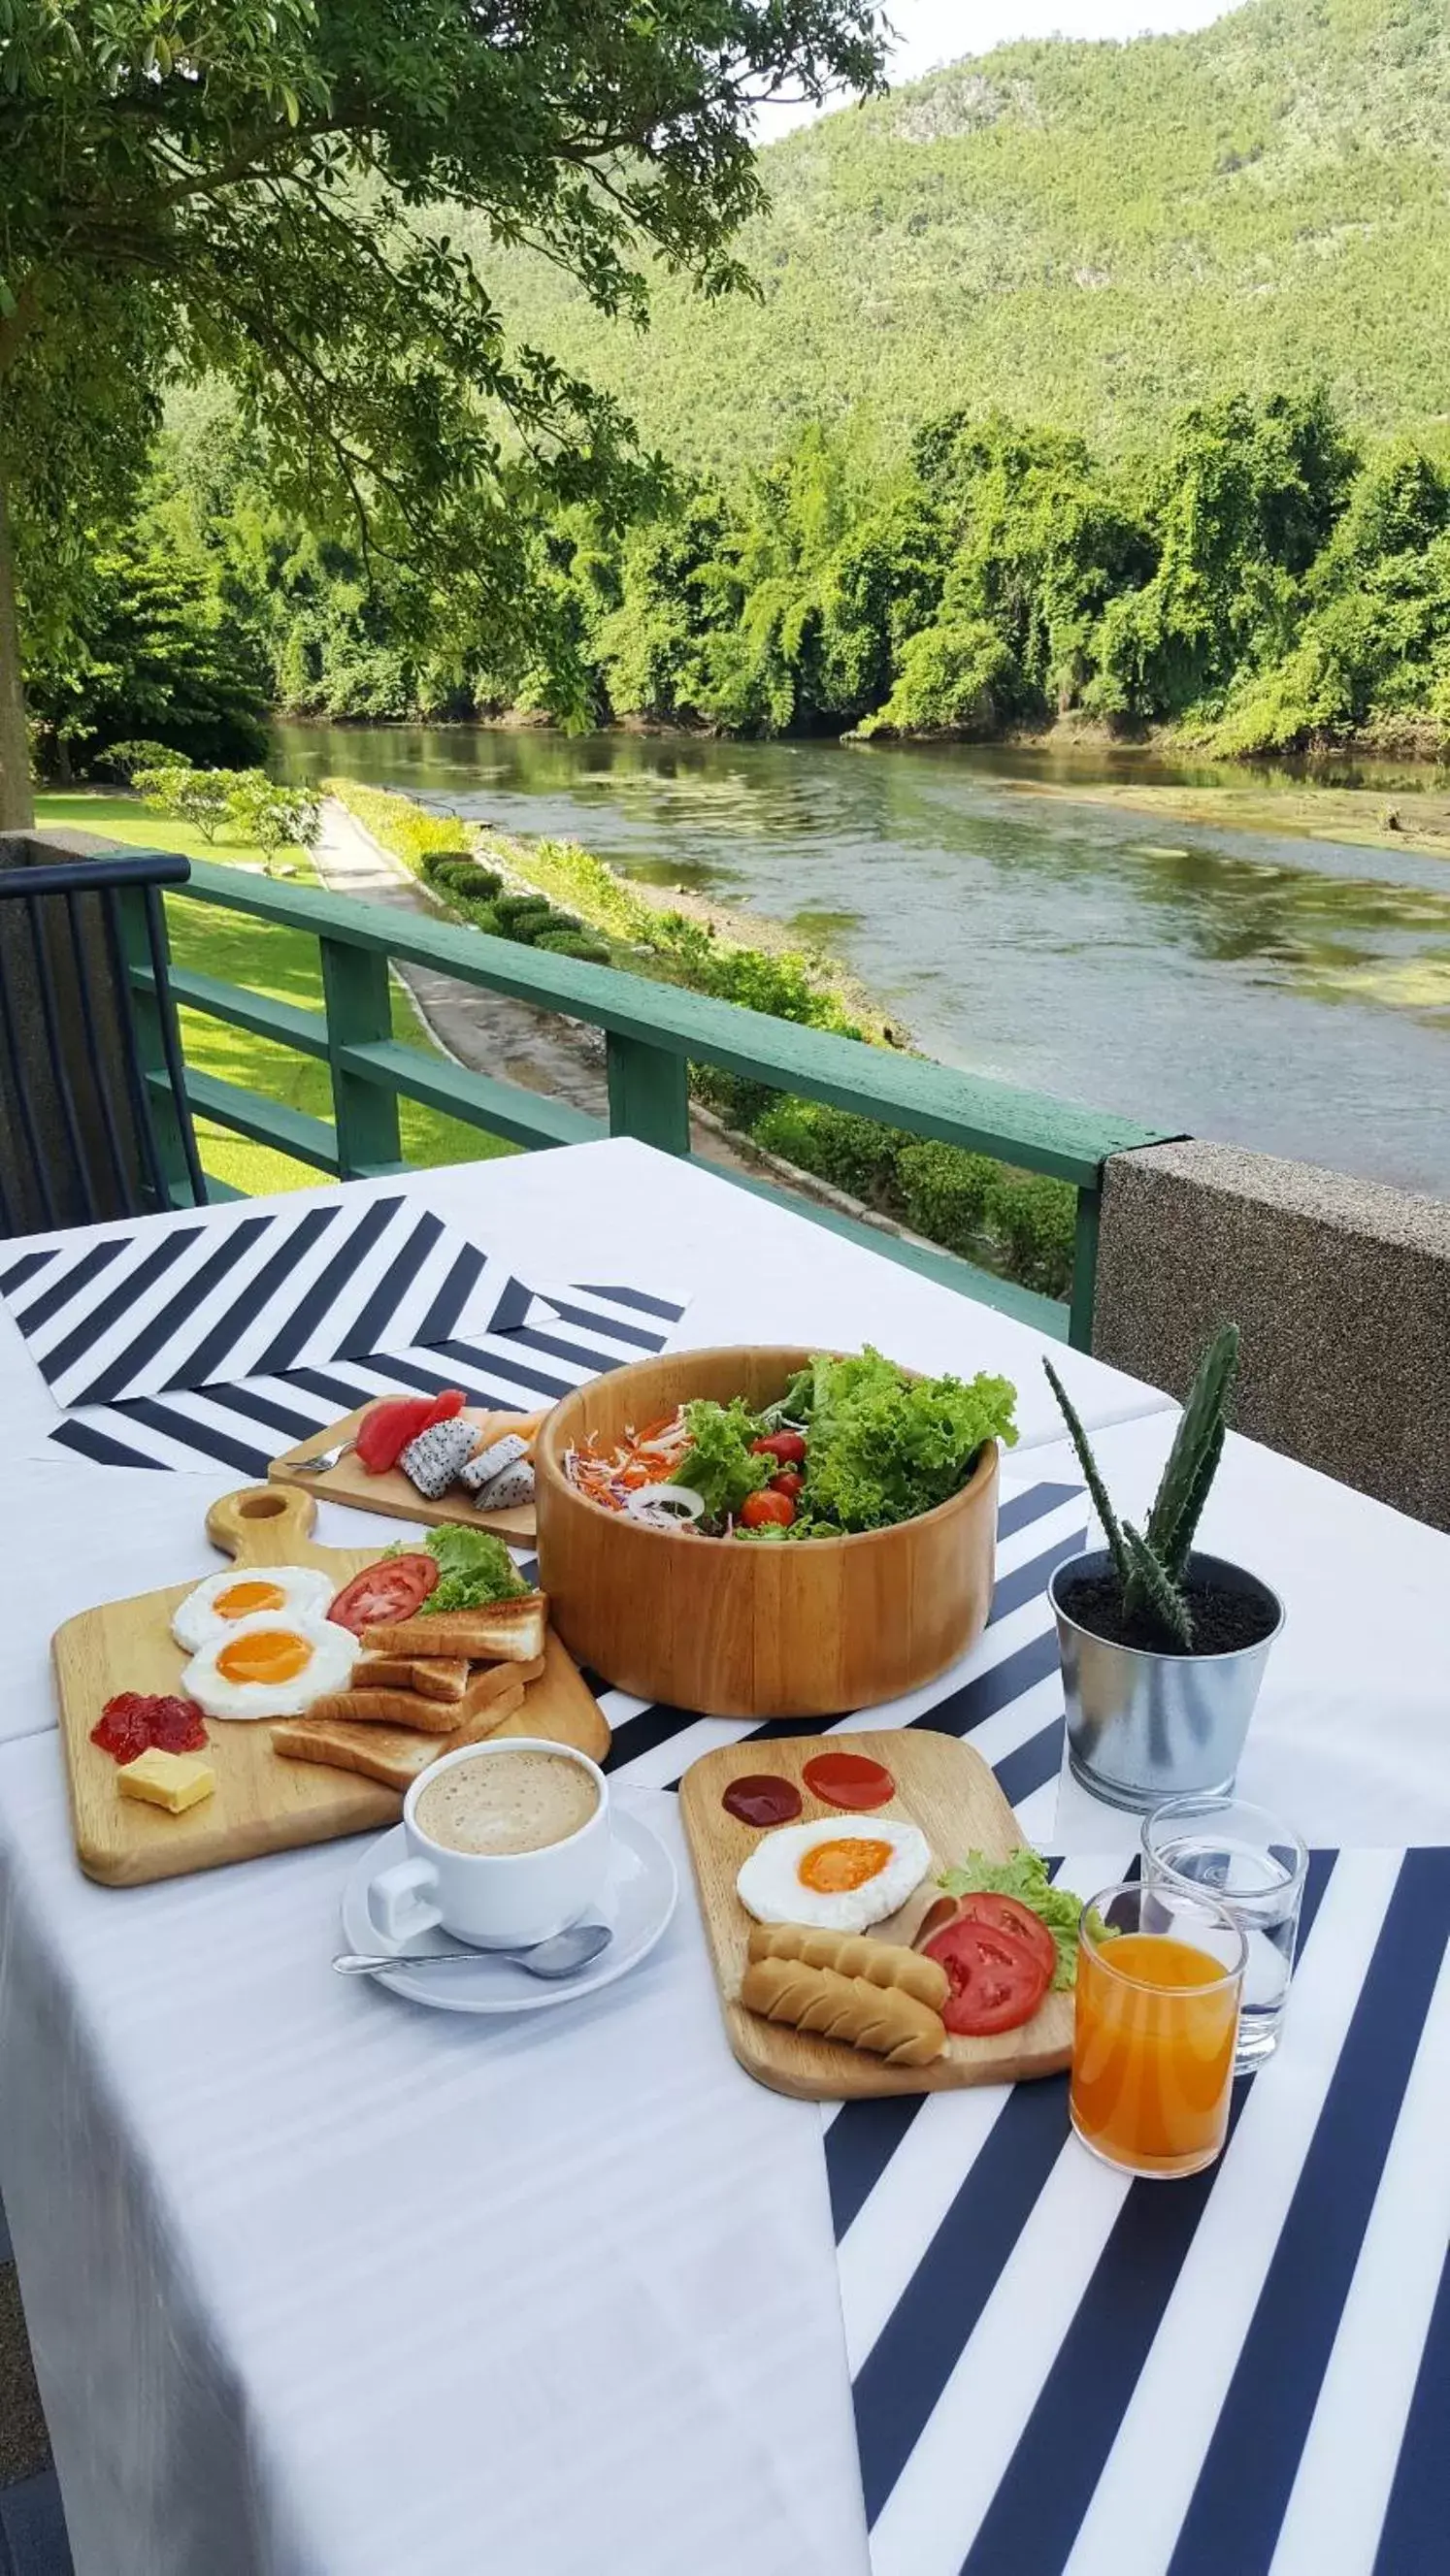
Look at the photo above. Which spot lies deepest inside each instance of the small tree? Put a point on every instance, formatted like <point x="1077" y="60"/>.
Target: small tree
<point x="273" y="817"/>
<point x="197" y="796"/>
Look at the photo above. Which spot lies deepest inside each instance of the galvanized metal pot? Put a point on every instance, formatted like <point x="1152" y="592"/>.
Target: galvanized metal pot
<point x="1143" y="1727"/>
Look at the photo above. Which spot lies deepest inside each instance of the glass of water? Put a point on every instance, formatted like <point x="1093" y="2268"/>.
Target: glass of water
<point x="1253" y="1864"/>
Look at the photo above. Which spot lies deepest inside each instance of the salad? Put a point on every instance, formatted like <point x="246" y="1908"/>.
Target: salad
<point x="852" y="1444"/>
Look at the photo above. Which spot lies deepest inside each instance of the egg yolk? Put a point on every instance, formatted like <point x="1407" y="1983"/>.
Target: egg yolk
<point x="833" y="1869"/>
<point x="267" y="1655"/>
<point x="240" y="1599"/>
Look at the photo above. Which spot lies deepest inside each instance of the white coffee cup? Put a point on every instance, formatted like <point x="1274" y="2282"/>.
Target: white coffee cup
<point x="497" y="1900"/>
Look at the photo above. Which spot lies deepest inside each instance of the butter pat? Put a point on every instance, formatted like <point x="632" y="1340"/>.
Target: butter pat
<point x="174" y="1781"/>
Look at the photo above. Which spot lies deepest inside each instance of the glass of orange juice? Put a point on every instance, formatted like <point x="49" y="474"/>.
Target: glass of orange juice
<point x="1159" y="1975"/>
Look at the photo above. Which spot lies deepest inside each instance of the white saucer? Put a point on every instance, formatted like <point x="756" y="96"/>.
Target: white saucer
<point x="638" y="1901"/>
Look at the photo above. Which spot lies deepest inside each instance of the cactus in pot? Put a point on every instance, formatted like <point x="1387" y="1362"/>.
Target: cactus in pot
<point x="1162" y="1646"/>
<point x="1152" y="1562"/>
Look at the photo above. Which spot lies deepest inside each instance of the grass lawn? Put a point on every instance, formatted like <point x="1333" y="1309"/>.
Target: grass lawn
<point x="267" y="959"/>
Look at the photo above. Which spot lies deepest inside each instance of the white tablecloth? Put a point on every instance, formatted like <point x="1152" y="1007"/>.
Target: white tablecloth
<point x="321" y="2284"/>
<point x="753" y="1272"/>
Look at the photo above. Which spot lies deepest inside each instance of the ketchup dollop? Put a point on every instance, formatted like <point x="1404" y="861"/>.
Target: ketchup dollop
<point x="761" y="1799"/>
<point x="849" y="1780"/>
<point x="132" y="1722"/>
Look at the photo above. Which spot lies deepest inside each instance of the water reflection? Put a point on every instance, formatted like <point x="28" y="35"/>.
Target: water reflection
<point x="1282" y="990"/>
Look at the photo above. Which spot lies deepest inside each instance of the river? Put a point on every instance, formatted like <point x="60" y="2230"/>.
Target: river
<point x="1266" y="987"/>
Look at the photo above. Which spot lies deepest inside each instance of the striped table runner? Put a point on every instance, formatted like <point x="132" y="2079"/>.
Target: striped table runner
<point x="535" y="1349"/>
<point x="1060" y="2372"/>
<point x="143" y="1311"/>
<point x="1005" y="1695"/>
<point x="1245" y="2374"/>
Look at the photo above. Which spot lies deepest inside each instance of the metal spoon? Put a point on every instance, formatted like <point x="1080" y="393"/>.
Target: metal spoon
<point x="562" y="1956"/>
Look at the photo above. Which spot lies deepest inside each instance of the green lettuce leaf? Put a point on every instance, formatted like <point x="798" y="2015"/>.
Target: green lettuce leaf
<point x="882" y="1447"/>
<point x="475" y="1568"/>
<point x="718" y="1464"/>
<point x="1025" y="1877"/>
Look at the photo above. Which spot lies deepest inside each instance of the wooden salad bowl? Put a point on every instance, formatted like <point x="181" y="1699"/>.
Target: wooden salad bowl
<point x="811" y="1628"/>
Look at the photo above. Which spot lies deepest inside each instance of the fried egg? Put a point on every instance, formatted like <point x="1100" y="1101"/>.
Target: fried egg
<point x="836" y="1876"/>
<point x="216" y="1606"/>
<point x="271" y="1665"/>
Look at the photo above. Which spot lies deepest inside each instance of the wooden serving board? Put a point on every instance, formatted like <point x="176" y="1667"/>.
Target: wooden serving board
<point x="946" y="1789"/>
<point x="349" y="1482"/>
<point x="262" y="1802"/>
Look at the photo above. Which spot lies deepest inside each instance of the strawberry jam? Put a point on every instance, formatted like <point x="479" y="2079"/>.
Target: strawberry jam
<point x="131" y="1723"/>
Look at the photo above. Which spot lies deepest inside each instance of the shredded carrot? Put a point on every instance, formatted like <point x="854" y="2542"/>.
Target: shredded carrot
<point x="641" y="1458"/>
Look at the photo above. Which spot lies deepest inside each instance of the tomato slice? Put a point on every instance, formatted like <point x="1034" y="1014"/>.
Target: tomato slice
<point x="849" y="1780"/>
<point x="391" y="1589"/>
<point x="996" y="1982"/>
<point x="1009" y="1914"/>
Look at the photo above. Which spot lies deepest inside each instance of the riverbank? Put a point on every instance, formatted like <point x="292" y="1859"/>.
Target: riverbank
<point x="1363" y="793"/>
<point x="1265" y="986"/>
<point x="1367" y="818"/>
<point x="1016" y="1223"/>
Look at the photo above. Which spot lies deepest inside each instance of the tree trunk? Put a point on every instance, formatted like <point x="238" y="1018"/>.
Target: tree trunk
<point x="17" y="806"/>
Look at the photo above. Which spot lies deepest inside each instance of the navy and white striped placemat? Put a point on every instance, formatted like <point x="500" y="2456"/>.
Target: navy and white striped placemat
<point x="541" y="1347"/>
<point x="1005" y="1695"/>
<point x="1058" y="2371"/>
<point x="150" y="1310"/>
<point x="1061" y="2372"/>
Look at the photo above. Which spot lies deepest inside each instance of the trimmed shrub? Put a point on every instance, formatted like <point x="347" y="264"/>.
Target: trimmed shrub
<point x="519" y="907"/>
<point x="946" y="1193"/>
<point x="1032" y="1219"/>
<point x="854" y="1154"/>
<point x="465" y="877"/>
<point x="573" y="943"/>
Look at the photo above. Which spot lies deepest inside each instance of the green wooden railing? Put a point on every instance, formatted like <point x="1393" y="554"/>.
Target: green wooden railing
<point x="652" y="1033"/>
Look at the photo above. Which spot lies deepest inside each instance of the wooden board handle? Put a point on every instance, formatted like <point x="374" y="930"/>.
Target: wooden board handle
<point x="263" y="1524"/>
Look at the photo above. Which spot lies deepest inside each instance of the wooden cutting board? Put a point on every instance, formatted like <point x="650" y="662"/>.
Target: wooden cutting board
<point x="946" y="1789"/>
<point x="349" y="1482"/>
<point x="261" y="1803"/>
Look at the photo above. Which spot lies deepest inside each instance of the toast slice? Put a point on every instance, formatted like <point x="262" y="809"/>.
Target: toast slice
<point x="436" y="1676"/>
<point x="502" y="1632"/>
<point x="391" y="1708"/>
<point x="392" y="1754"/>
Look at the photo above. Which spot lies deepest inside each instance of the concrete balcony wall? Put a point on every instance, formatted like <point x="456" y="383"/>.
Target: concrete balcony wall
<point x="1342" y="1289"/>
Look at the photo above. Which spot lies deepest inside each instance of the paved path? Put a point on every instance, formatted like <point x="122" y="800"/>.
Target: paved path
<point x="486" y="1031"/>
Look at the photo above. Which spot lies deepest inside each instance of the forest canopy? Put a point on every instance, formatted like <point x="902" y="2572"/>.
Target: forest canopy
<point x="1260" y="580"/>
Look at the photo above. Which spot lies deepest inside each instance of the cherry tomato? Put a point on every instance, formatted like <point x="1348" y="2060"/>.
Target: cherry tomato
<point x="391" y="1589"/>
<point x="997" y="1983"/>
<point x="788" y="1483"/>
<point x="761" y="1511"/>
<point x="787" y="1446"/>
<point x="1009" y="1914"/>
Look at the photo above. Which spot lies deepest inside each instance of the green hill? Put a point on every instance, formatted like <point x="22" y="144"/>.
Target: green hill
<point x="1088" y="234"/>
